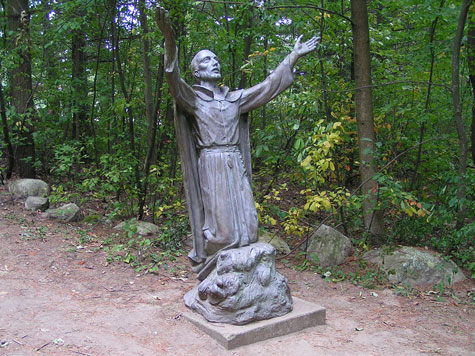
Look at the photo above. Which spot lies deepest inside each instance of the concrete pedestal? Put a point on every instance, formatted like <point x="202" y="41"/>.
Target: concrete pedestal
<point x="303" y="315"/>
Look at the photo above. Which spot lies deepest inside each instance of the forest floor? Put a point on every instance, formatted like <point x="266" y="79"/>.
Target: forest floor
<point x="58" y="297"/>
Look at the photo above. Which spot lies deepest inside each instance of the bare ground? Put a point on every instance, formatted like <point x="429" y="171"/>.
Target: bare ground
<point x="58" y="299"/>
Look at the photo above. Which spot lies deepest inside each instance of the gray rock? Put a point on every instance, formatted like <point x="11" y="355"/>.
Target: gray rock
<point x="23" y="188"/>
<point x="143" y="228"/>
<point x="67" y="213"/>
<point x="330" y="245"/>
<point x="279" y="244"/>
<point x="244" y="287"/>
<point x="37" y="203"/>
<point x="414" y="267"/>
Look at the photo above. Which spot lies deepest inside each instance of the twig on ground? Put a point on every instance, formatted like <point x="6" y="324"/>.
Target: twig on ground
<point x="113" y="290"/>
<point x="81" y="353"/>
<point x="72" y="331"/>
<point x="39" y="348"/>
<point x="18" y="342"/>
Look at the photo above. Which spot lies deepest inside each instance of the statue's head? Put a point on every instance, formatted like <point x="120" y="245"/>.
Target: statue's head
<point x="205" y="66"/>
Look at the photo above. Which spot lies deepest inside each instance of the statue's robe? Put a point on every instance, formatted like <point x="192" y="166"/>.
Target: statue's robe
<point x="213" y="139"/>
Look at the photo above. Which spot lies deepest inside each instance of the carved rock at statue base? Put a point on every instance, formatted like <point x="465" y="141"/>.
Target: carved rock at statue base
<point x="244" y="287"/>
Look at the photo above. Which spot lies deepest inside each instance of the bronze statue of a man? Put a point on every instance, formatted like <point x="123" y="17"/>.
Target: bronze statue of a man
<point x="214" y="146"/>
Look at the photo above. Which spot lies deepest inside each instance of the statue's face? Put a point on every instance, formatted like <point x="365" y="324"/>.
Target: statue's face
<point x="207" y="66"/>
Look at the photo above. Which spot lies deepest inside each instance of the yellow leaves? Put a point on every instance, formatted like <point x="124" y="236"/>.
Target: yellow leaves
<point x="326" y="204"/>
<point x="291" y="223"/>
<point x="336" y="125"/>
<point x="306" y="162"/>
<point x="325" y="15"/>
<point x="326" y="200"/>
<point x="264" y="53"/>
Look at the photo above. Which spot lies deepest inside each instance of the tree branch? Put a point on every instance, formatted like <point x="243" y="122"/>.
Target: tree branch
<point x="305" y="6"/>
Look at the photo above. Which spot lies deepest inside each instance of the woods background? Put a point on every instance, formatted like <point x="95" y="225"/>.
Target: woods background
<point x="376" y="136"/>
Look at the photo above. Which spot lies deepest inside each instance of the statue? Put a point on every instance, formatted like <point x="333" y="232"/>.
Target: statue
<point x="213" y="140"/>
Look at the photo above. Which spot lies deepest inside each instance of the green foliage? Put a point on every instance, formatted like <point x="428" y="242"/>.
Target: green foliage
<point x="363" y="275"/>
<point x="147" y="253"/>
<point x="68" y="158"/>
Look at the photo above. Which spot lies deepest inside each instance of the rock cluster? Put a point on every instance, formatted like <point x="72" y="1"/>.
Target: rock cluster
<point x="329" y="245"/>
<point x="414" y="267"/>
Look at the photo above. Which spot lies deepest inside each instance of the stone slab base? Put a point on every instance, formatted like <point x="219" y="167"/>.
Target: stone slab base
<point x="304" y="315"/>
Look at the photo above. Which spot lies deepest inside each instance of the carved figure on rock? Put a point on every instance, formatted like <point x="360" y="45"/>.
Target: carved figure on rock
<point x="213" y="139"/>
<point x="244" y="287"/>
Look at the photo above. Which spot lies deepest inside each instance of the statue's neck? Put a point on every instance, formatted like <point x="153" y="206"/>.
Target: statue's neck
<point x="211" y="85"/>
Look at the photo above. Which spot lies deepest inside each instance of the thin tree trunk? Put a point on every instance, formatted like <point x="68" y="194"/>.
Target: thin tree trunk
<point x="247" y="50"/>
<point x="112" y="117"/>
<point x="94" y="91"/>
<point x="427" y="103"/>
<point x="231" y="48"/>
<point x="471" y="66"/>
<point x="364" y="114"/>
<point x="322" y="68"/>
<point x="3" y="112"/>
<point x="6" y="136"/>
<point x="21" y="87"/>
<point x="151" y="110"/>
<point x="129" y="111"/>
<point x="461" y="132"/>
<point x="79" y="82"/>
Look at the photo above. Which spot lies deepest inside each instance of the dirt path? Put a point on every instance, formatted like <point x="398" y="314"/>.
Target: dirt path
<point x="58" y="299"/>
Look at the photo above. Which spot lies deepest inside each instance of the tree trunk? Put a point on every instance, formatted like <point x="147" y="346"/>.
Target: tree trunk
<point x="427" y="103"/>
<point x="151" y="110"/>
<point x="127" y="96"/>
<point x="21" y="87"/>
<point x="6" y="135"/>
<point x="364" y="116"/>
<point x="94" y="93"/>
<point x="322" y="68"/>
<point x="79" y="83"/>
<point x="471" y="67"/>
<point x="462" y="135"/>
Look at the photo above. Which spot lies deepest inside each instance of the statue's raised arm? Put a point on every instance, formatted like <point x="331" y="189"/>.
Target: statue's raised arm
<point x="279" y="80"/>
<point x="181" y="91"/>
<point x="163" y="22"/>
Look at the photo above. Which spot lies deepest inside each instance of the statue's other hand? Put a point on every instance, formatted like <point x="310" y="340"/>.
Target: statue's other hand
<point x="301" y="49"/>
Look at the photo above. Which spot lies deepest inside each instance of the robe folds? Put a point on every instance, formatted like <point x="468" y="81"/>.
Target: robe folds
<point x="213" y="139"/>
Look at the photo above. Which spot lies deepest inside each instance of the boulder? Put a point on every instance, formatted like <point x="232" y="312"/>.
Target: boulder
<point x="37" y="203"/>
<point x="279" y="244"/>
<point x="24" y="188"/>
<point x="244" y="287"/>
<point x="143" y="228"/>
<point x="330" y="245"/>
<point x="67" y="213"/>
<point x="413" y="267"/>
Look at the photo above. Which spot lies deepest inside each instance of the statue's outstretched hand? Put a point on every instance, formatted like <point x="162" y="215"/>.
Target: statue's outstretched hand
<point x="301" y="49"/>
<point x="163" y="22"/>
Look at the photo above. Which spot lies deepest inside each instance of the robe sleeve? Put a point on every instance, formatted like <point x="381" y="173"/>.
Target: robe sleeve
<point x="183" y="94"/>
<point x="258" y="95"/>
